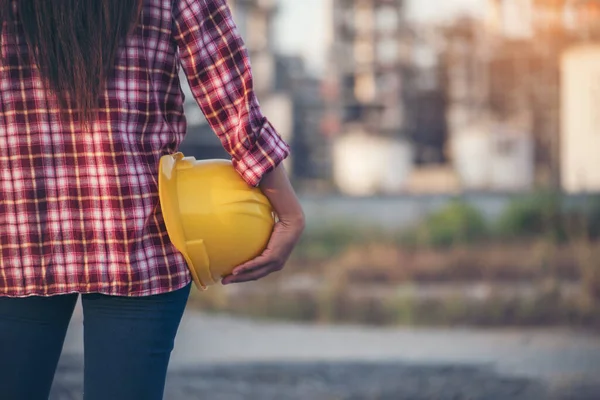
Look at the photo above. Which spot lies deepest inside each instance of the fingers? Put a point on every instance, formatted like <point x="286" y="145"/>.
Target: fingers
<point x="253" y="270"/>
<point x="273" y="258"/>
<point x="256" y="263"/>
<point x="250" y="275"/>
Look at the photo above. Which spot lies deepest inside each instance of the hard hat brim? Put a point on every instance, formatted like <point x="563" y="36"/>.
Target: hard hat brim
<point x="168" y="195"/>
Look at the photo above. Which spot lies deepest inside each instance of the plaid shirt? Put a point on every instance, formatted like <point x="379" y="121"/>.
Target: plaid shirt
<point x="79" y="211"/>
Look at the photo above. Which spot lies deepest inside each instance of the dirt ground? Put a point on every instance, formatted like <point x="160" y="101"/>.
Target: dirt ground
<point x="314" y="362"/>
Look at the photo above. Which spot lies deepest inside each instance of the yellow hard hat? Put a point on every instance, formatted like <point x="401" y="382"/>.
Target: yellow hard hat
<point x="213" y="217"/>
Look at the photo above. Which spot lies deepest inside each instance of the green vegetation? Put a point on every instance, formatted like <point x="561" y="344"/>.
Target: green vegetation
<point x="456" y="224"/>
<point x="366" y="275"/>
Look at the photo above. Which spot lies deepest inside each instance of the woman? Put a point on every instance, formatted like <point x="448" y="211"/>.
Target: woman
<point x="89" y="102"/>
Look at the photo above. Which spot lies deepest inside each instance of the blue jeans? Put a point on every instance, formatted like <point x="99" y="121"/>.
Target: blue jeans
<point x="128" y="344"/>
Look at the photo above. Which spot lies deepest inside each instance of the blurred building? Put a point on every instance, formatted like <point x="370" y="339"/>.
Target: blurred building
<point x="366" y="57"/>
<point x="424" y="95"/>
<point x="504" y="94"/>
<point x="533" y="54"/>
<point x="537" y="59"/>
<point x="583" y="20"/>
<point x="477" y="104"/>
<point x="513" y="19"/>
<point x="366" y="109"/>
<point x="580" y="96"/>
<point x="465" y="58"/>
<point x="490" y="144"/>
<point x="581" y="119"/>
<point x="311" y="160"/>
<point x="426" y="101"/>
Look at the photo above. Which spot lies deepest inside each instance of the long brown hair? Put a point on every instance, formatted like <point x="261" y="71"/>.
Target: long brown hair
<point x="74" y="43"/>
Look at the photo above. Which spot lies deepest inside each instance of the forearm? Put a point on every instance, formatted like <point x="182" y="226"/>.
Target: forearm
<point x="278" y="189"/>
<point x="222" y="83"/>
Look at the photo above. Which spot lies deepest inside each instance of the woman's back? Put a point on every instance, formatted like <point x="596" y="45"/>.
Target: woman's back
<point x="84" y="122"/>
<point x="79" y="208"/>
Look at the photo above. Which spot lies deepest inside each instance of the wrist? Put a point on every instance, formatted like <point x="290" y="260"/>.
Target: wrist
<point x="295" y="220"/>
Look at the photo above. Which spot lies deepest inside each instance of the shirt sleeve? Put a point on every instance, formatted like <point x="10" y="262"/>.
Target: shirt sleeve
<point x="217" y="65"/>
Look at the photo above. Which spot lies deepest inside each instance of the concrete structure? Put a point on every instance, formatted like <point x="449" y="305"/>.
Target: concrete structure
<point x="365" y="65"/>
<point x="424" y="96"/>
<point x="364" y="165"/>
<point x="513" y="19"/>
<point x="465" y="59"/>
<point x="312" y="153"/>
<point x="503" y="76"/>
<point x="526" y="40"/>
<point x="584" y="19"/>
<point x="580" y="137"/>
<point x="494" y="158"/>
<point x="497" y="82"/>
<point x="512" y="159"/>
<point x="365" y="81"/>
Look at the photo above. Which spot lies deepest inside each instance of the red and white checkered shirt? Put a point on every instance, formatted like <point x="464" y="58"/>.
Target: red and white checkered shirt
<point x="79" y="212"/>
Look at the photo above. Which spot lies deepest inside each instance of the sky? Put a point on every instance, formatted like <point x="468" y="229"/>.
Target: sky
<point x="301" y="24"/>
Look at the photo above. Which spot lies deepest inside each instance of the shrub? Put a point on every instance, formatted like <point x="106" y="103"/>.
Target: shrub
<point x="456" y="223"/>
<point x="539" y="214"/>
<point x="330" y="241"/>
<point x="593" y="224"/>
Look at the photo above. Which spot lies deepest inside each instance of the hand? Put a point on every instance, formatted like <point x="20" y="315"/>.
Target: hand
<point x="286" y="235"/>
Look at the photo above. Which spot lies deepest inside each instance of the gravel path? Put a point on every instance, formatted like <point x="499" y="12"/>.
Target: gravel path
<point x="220" y="358"/>
<point x="337" y="381"/>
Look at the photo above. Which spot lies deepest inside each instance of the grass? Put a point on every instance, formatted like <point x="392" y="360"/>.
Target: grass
<point x="368" y="276"/>
<point x="547" y="307"/>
